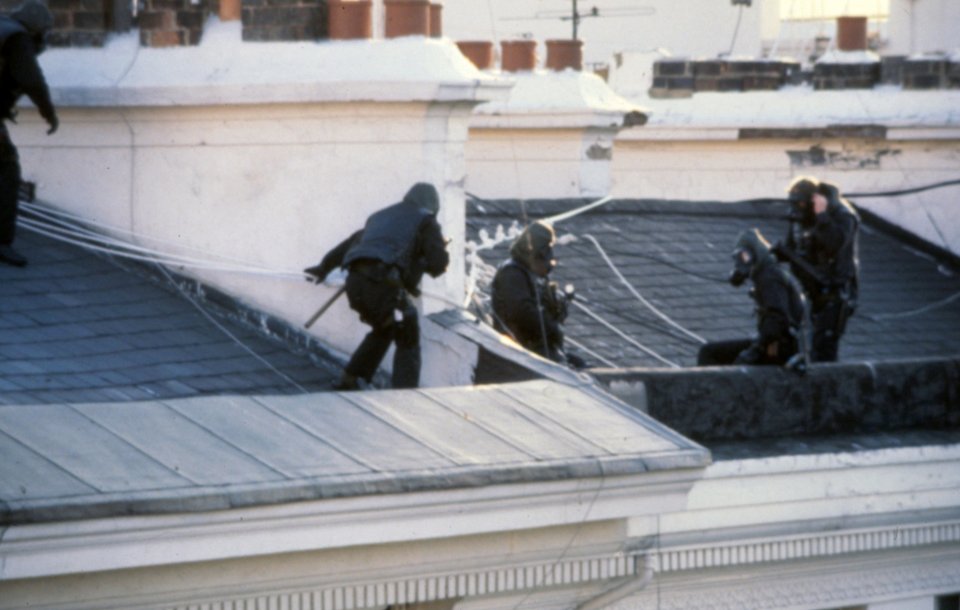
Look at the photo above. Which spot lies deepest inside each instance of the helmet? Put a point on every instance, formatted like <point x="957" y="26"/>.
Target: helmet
<point x="534" y="247"/>
<point x="802" y="189"/>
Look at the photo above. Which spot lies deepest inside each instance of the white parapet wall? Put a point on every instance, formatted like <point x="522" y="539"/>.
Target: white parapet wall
<point x="262" y="155"/>
<point x="736" y="146"/>
<point x="552" y="138"/>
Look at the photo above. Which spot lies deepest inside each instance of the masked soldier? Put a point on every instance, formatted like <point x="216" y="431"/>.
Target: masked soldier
<point x="526" y="305"/>
<point x="385" y="262"/>
<point x="21" y="40"/>
<point x="822" y="248"/>
<point x="780" y="310"/>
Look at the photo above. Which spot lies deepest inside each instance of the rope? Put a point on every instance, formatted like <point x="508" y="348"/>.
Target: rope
<point x="625" y="336"/>
<point x="83" y="237"/>
<point x="227" y="332"/>
<point x="644" y="301"/>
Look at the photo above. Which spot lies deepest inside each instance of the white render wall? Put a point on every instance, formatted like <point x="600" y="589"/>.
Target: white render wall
<point x="734" y="146"/>
<point x="929" y="26"/>
<point x="713" y="165"/>
<point x="273" y="186"/>
<point x="265" y="155"/>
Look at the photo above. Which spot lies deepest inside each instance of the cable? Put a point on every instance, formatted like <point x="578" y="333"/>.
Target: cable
<point x="909" y="191"/>
<point x="913" y="312"/>
<point x="225" y="331"/>
<point x="80" y="228"/>
<point x="736" y="31"/>
<point x="592" y="353"/>
<point x="626" y="337"/>
<point x="79" y="236"/>
<point x="644" y="301"/>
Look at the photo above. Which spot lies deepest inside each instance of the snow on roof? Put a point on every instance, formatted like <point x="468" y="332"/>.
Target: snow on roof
<point x="567" y="92"/>
<point x="802" y="106"/>
<point x="849" y="57"/>
<point x="257" y="71"/>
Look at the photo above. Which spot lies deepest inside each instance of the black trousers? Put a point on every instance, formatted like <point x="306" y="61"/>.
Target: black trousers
<point x="9" y="187"/>
<point x="379" y="304"/>
<point x="743" y="351"/>
<point x="829" y="323"/>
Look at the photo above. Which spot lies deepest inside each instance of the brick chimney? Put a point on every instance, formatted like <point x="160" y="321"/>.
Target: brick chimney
<point x="852" y="33"/>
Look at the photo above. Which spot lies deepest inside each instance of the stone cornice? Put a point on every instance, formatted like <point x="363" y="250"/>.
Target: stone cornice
<point x="803" y="585"/>
<point x="134" y="542"/>
<point x="815" y="545"/>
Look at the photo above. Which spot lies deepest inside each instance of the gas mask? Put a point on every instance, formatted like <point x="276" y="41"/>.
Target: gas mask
<point x="743" y="260"/>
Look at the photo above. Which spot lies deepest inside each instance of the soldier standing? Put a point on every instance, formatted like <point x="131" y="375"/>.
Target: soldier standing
<point x="822" y="248"/>
<point x="22" y="36"/>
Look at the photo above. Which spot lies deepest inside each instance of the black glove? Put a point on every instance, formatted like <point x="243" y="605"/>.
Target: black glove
<point x="317" y="273"/>
<point x="778" y="249"/>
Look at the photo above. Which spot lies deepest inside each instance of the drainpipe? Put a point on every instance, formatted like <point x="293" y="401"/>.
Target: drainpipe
<point x="628" y="588"/>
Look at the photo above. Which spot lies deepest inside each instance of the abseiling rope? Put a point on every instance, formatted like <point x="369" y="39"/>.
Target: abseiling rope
<point x="639" y="296"/>
<point x="76" y="234"/>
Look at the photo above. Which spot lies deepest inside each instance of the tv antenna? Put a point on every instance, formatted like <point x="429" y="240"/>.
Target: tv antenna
<point x="574" y="16"/>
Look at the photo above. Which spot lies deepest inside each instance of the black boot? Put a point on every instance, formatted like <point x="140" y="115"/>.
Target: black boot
<point x="347" y="383"/>
<point x="10" y="256"/>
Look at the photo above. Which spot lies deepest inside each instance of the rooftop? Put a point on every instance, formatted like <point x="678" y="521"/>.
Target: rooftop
<point x="675" y="255"/>
<point x="76" y="327"/>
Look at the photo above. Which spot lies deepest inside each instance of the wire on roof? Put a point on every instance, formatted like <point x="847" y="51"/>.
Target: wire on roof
<point x="625" y="336"/>
<point x="227" y="332"/>
<point x="640" y="297"/>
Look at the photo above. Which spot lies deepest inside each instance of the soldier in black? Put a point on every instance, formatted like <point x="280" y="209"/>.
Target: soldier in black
<point x="385" y="262"/>
<point x="780" y="309"/>
<point x="822" y="248"/>
<point x="526" y="305"/>
<point x="21" y="40"/>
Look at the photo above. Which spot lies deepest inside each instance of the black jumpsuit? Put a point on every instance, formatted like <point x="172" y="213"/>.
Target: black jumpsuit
<point x="385" y="262"/>
<point x="20" y="74"/>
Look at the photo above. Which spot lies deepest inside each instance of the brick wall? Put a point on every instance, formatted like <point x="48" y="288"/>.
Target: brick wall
<point x="846" y="76"/>
<point x="80" y="23"/>
<point x="268" y="20"/>
<point x="681" y="77"/>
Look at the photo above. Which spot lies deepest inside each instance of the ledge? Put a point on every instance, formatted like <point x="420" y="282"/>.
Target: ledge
<point x="223" y="70"/>
<point x="568" y="99"/>
<point x="743" y="402"/>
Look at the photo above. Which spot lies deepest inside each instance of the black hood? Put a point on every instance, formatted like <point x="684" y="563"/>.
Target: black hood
<point x="424" y="196"/>
<point x="34" y="16"/>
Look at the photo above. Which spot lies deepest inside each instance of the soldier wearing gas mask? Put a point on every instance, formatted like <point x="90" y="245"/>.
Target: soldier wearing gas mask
<point x="22" y="36"/>
<point x="822" y="249"/>
<point x="526" y="305"/>
<point x="386" y="261"/>
<point x="780" y="309"/>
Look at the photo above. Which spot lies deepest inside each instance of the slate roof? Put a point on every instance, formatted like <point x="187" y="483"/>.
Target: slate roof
<point x="75" y="327"/>
<point x="676" y="254"/>
<point x="68" y="461"/>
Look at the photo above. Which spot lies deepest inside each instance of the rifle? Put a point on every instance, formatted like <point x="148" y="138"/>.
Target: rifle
<point x="326" y="306"/>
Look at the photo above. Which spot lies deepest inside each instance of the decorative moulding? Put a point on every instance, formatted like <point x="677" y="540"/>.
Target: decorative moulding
<point x="830" y="586"/>
<point x="529" y="577"/>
